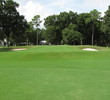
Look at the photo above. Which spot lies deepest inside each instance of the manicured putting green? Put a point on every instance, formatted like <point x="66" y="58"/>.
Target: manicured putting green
<point x="55" y="73"/>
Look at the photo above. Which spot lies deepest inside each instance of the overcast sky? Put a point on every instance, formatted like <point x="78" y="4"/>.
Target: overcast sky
<point x="44" y="8"/>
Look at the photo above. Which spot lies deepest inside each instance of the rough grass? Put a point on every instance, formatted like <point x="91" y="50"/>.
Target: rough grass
<point x="55" y="73"/>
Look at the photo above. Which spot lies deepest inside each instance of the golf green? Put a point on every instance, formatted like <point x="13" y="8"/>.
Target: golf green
<point x="55" y="73"/>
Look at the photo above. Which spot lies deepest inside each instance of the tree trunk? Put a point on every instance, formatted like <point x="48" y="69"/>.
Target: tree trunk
<point x="7" y="42"/>
<point x="81" y="42"/>
<point x="27" y="41"/>
<point x="37" y="39"/>
<point x="2" y="43"/>
<point x="92" y="42"/>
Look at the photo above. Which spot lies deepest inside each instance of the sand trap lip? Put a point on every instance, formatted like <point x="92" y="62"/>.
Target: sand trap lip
<point x="18" y="49"/>
<point x="89" y="49"/>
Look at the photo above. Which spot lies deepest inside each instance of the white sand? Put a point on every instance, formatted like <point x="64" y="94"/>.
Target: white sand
<point x="19" y="49"/>
<point x="89" y="49"/>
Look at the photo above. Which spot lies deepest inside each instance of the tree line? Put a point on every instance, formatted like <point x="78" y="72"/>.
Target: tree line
<point x="65" y="28"/>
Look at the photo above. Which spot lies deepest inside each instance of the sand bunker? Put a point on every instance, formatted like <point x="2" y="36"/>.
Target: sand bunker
<point x="18" y="49"/>
<point x="89" y="49"/>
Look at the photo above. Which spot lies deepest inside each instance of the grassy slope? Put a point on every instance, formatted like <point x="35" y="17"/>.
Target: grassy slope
<point x="55" y="73"/>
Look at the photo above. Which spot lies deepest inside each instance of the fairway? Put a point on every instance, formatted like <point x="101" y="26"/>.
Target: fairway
<point x="55" y="73"/>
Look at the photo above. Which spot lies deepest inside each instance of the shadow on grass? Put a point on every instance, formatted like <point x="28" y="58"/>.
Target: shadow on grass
<point x="5" y="49"/>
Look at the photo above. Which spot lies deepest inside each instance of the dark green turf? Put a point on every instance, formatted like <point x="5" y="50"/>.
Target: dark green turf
<point x="55" y="73"/>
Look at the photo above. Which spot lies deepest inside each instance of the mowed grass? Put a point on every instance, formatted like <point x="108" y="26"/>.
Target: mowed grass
<point x="55" y="73"/>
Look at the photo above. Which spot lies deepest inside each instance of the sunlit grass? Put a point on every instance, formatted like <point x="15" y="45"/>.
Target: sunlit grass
<point x="55" y="73"/>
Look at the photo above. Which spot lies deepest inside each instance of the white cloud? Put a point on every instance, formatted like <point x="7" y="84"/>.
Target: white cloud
<point x="96" y="4"/>
<point x="79" y="6"/>
<point x="59" y="3"/>
<point x="100" y="5"/>
<point x="30" y="9"/>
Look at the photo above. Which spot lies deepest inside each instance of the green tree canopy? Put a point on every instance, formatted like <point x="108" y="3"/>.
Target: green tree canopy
<point x="106" y="26"/>
<point x="71" y="35"/>
<point x="11" y="22"/>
